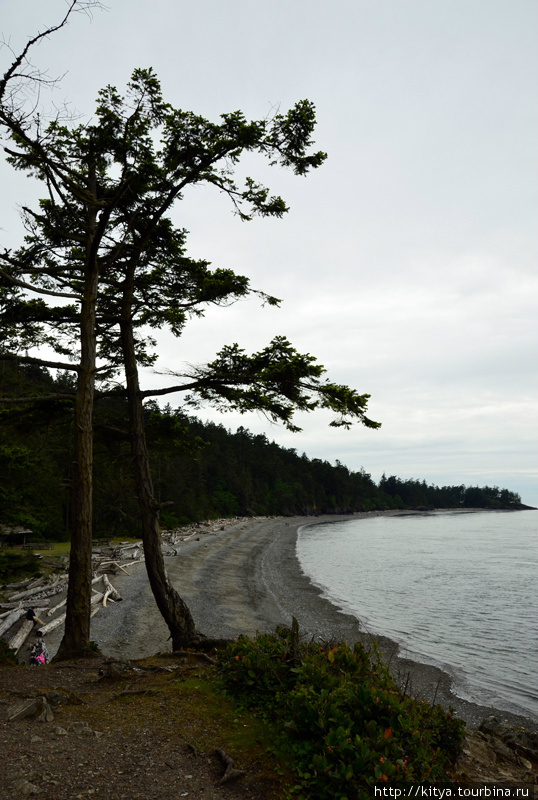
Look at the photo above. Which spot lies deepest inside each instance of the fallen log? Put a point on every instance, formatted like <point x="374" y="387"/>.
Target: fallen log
<point x="110" y="591"/>
<point x="51" y="626"/>
<point x="114" y="564"/>
<point x="21" y="636"/>
<point x="26" y="604"/>
<point x="20" y="585"/>
<point x="45" y="587"/>
<point x="12" y="619"/>
<point x="56" y="608"/>
<point x="17" y="641"/>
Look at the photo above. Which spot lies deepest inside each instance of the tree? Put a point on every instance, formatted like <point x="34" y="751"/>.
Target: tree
<point x="102" y="243"/>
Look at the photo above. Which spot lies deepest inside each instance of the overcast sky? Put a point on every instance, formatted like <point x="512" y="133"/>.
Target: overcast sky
<point x="407" y="263"/>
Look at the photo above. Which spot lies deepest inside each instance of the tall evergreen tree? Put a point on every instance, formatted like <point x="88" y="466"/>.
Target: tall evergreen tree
<point x="103" y="246"/>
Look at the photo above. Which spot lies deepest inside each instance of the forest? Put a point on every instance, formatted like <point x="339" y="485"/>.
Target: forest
<point x="201" y="470"/>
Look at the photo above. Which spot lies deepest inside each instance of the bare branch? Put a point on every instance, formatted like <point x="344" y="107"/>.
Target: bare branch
<point x="28" y="73"/>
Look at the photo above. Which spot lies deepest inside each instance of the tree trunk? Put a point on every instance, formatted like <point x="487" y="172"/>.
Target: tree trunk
<point x="76" y="638"/>
<point x="174" y="610"/>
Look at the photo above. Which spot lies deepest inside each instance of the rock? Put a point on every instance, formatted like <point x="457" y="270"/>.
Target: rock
<point x="60" y="731"/>
<point x="501" y="750"/>
<point x="80" y="729"/>
<point x="115" y="669"/>
<point x="487" y="758"/>
<point x="57" y="698"/>
<point x="28" y="708"/>
<point x="36" y="739"/>
<point x="46" y="714"/>
<point x="519" y="740"/>
<point x="491" y="725"/>
<point x="25" y="787"/>
<point x="32" y="708"/>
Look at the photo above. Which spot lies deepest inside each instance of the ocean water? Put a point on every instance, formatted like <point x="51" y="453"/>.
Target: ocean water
<point x="455" y="589"/>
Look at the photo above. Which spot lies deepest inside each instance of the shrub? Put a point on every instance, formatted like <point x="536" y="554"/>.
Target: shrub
<point x="7" y="655"/>
<point x="17" y="565"/>
<point x="342" y="716"/>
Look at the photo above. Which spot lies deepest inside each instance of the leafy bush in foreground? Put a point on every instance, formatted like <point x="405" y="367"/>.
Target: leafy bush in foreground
<point x="342" y="716"/>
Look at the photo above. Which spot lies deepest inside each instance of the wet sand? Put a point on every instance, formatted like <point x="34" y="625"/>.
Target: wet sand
<point x="245" y="580"/>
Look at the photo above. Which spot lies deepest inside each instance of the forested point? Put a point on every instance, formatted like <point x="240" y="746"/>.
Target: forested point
<point x="201" y="470"/>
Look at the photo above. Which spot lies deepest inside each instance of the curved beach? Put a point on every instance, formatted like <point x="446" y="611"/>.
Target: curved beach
<point x="247" y="579"/>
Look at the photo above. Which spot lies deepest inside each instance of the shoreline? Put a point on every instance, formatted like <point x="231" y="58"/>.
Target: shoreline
<point x="247" y="580"/>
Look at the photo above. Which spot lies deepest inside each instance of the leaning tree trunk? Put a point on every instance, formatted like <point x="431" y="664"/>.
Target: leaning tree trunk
<point x="174" y="610"/>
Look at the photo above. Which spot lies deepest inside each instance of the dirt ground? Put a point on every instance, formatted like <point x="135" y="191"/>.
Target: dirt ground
<point x="129" y="737"/>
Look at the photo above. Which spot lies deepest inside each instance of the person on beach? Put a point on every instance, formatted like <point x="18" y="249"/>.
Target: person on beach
<point x="30" y="614"/>
<point x="39" y="655"/>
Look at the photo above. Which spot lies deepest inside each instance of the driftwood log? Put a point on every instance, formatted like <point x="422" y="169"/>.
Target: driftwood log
<point x="5" y="614"/>
<point x="39" y="586"/>
<point x="11" y="619"/>
<point x="17" y="641"/>
<point x="110" y="591"/>
<point x="21" y="636"/>
<point x="51" y="626"/>
<point x="20" y="585"/>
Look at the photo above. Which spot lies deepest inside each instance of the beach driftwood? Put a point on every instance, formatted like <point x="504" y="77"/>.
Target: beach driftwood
<point x="41" y="585"/>
<point x="51" y="626"/>
<point x="110" y="591"/>
<point x="17" y="641"/>
<point x="11" y="619"/>
<point x="21" y="636"/>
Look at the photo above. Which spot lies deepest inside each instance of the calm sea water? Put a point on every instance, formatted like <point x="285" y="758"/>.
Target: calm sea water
<point x="458" y="590"/>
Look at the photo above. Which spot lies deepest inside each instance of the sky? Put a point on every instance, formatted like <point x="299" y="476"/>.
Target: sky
<point x="407" y="262"/>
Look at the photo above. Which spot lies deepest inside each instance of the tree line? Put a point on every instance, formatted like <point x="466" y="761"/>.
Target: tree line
<point x="200" y="470"/>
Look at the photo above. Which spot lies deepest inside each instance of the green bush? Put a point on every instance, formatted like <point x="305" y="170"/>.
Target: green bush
<point x="14" y="566"/>
<point x="341" y="715"/>
<point x="7" y="655"/>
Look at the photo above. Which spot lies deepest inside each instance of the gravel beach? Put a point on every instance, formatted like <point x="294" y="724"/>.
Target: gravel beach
<point x="247" y="579"/>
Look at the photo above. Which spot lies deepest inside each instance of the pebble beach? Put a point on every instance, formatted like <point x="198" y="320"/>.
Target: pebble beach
<point x="245" y="578"/>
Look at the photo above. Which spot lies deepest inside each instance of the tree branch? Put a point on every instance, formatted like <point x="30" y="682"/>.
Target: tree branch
<point x="31" y="287"/>
<point x="39" y="361"/>
<point x="37" y="399"/>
